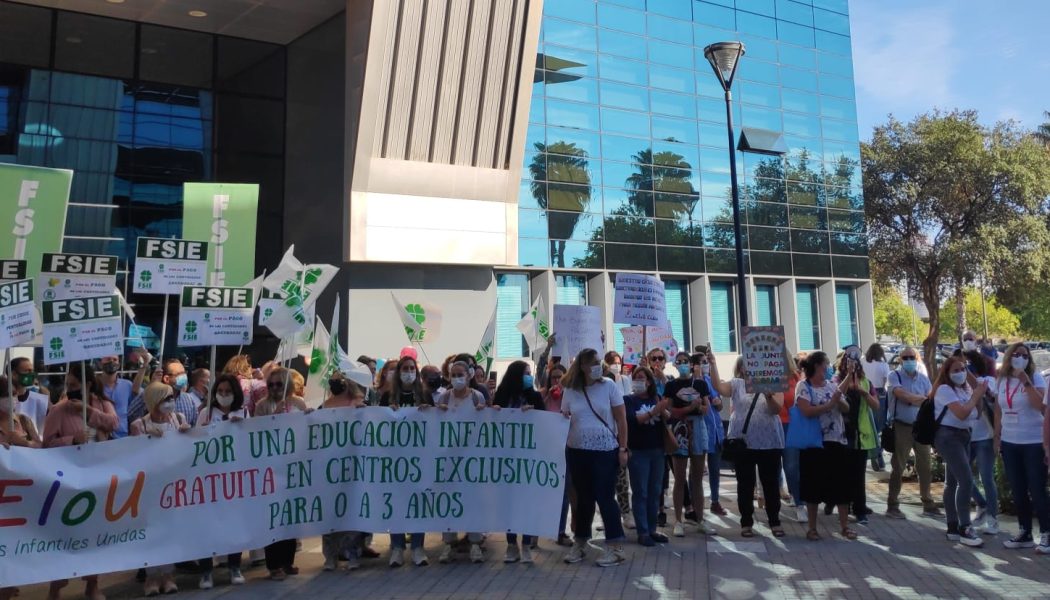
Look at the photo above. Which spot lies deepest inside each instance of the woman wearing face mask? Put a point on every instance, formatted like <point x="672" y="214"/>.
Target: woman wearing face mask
<point x="161" y="418"/>
<point x="613" y="369"/>
<point x="516" y="390"/>
<point x="344" y="394"/>
<point x="406" y="390"/>
<point x="1019" y="433"/>
<point x="861" y="434"/>
<point x="385" y="379"/>
<point x="227" y="403"/>
<point x="552" y="395"/>
<point x="954" y="404"/>
<point x="646" y="414"/>
<point x="461" y="396"/>
<point x="818" y="396"/>
<point x="715" y="435"/>
<point x="477" y="376"/>
<point x="433" y="384"/>
<point x="690" y="399"/>
<point x="597" y="448"/>
<point x="877" y="372"/>
<point x="277" y="401"/>
<point x="552" y="401"/>
<point x="19" y="431"/>
<point x="982" y="445"/>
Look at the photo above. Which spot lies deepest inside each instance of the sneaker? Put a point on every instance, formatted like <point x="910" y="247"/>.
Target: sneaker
<point x="932" y="512"/>
<point x="991" y="526"/>
<point x="397" y="557"/>
<point x="352" y="563"/>
<point x="329" y="564"/>
<point x="612" y="556"/>
<point x="679" y="530"/>
<point x="236" y="578"/>
<point x="705" y="529"/>
<point x="690" y="517"/>
<point x="659" y="538"/>
<point x="446" y="554"/>
<point x="513" y="555"/>
<point x="577" y="553"/>
<point x="628" y="521"/>
<point x="419" y="557"/>
<point x="206" y="582"/>
<point x="1021" y="540"/>
<point x="1044" y="544"/>
<point x="644" y="540"/>
<point x="716" y="508"/>
<point x="526" y="555"/>
<point x="895" y="513"/>
<point x="862" y="520"/>
<point x="953" y="532"/>
<point x="476" y="555"/>
<point x="967" y="537"/>
<point x="978" y="519"/>
<point x="801" y="514"/>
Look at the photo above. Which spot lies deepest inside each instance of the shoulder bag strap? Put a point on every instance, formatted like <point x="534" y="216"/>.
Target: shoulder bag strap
<point x="750" y="411"/>
<point x="599" y="417"/>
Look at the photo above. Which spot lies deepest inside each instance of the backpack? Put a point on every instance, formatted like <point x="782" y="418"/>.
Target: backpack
<point x="925" y="427"/>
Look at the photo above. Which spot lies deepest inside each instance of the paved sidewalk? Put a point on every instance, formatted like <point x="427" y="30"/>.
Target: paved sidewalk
<point x="892" y="559"/>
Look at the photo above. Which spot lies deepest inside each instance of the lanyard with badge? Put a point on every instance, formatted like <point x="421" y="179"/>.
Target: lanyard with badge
<point x="1010" y="416"/>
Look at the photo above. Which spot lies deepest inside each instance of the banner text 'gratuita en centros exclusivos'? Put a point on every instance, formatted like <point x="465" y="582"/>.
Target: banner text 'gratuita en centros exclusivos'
<point x="135" y="502"/>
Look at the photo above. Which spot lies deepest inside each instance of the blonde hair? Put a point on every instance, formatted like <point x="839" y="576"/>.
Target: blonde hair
<point x="298" y="384"/>
<point x="156" y="393"/>
<point x="575" y="378"/>
<point x="238" y="366"/>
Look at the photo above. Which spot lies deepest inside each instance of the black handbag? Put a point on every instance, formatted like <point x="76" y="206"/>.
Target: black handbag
<point x="733" y="448"/>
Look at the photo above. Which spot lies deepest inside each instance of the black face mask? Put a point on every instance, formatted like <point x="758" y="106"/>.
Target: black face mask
<point x="434" y="382"/>
<point x="337" y="386"/>
<point x="110" y="368"/>
<point x="74" y="395"/>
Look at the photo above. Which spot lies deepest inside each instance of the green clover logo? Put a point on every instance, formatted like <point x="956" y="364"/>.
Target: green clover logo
<point x="268" y="313"/>
<point x="416" y="311"/>
<point x="318" y="361"/>
<point x="191" y="326"/>
<point x="56" y="344"/>
<point x="145" y="276"/>
<point x="311" y="276"/>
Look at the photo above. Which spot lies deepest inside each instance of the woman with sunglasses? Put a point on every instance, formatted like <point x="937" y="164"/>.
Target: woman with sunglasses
<point x="656" y="361"/>
<point x="1019" y="434"/>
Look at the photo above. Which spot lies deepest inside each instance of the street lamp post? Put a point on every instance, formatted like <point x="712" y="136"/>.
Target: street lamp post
<point x="724" y="58"/>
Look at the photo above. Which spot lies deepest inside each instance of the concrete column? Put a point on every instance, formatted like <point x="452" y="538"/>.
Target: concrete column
<point x="600" y="292"/>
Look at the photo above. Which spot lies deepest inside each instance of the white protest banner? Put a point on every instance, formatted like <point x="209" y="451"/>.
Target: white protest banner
<point x="576" y="328"/>
<point x="639" y="300"/>
<point x="765" y="359"/>
<point x="165" y="266"/>
<point x="12" y="270"/>
<point x="66" y="276"/>
<point x="655" y="337"/>
<point x="19" y="320"/>
<point x="216" y="316"/>
<point x="82" y="329"/>
<point x="244" y="484"/>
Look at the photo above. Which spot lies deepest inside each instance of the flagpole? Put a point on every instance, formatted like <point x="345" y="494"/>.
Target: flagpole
<point x="420" y="344"/>
<point x="164" y="328"/>
<point x="10" y="384"/>
<point x="85" y="393"/>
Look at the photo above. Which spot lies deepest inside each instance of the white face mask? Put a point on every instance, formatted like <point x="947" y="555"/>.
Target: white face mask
<point x="615" y="369"/>
<point x="969" y="345"/>
<point x="1019" y="362"/>
<point x="639" y="386"/>
<point x="408" y="377"/>
<point x="167" y="407"/>
<point x="596" y="371"/>
<point x="8" y="404"/>
<point x="958" y="377"/>
<point x="459" y="383"/>
<point x="224" y="400"/>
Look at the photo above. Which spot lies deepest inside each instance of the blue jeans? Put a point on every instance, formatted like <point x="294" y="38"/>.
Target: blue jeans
<point x="594" y="475"/>
<point x="1027" y="475"/>
<point x="791" y="456"/>
<point x="953" y="444"/>
<point x="526" y="540"/>
<point x="984" y="453"/>
<point x="714" y="465"/>
<point x="397" y="541"/>
<point x="646" y="470"/>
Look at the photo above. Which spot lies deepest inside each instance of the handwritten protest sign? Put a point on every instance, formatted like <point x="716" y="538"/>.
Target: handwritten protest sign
<point x="19" y="321"/>
<point x="765" y="359"/>
<point x="216" y="316"/>
<point x="81" y="328"/>
<point x="286" y="476"/>
<point x="164" y="266"/>
<point x="65" y="276"/>
<point x="639" y="300"/>
<point x="655" y="337"/>
<point x="576" y="328"/>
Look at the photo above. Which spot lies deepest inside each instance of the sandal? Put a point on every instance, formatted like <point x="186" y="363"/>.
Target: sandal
<point x="747" y="532"/>
<point x="778" y="532"/>
<point x="812" y="535"/>
<point x="849" y="534"/>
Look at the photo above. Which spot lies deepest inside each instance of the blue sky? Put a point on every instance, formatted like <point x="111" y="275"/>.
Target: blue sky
<point x="912" y="55"/>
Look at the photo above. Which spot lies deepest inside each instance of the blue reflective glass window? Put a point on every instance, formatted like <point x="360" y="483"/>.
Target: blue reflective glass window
<point x="625" y="96"/>
<point x="763" y="118"/>
<point x="837" y="86"/>
<point x="766" y="305"/>
<point x="717" y="209"/>
<point x="835" y="64"/>
<point x="838" y="108"/>
<point x="535" y="134"/>
<point x="627" y="71"/>
<point x="668" y="78"/>
<point x="678" y="155"/>
<point x="772" y="214"/>
<point x="846" y="220"/>
<point x="846" y="313"/>
<point x="798" y="145"/>
<point x="676" y="55"/>
<point x="760" y="48"/>
<point x="623" y="19"/>
<point x="586" y="142"/>
<point x="808" y="316"/>
<point x="677" y="206"/>
<point x="619" y="148"/>
<point x="567" y="33"/>
<point x="805" y="240"/>
<point x="796" y="12"/>
<point x="627" y="122"/>
<point x="797" y="124"/>
<point x="800" y="101"/>
<point x="839" y="6"/>
<point x="848" y="243"/>
<point x="532" y="223"/>
<point x="798" y="79"/>
<point x="630" y="257"/>
<point x="677" y="105"/>
<point x="678" y="130"/>
<point x="713" y="134"/>
<point x="621" y="44"/>
<point x="570" y="61"/>
<point x="831" y="21"/>
<point x="704" y="35"/>
<point x="714" y="109"/>
<point x="707" y="85"/>
<point x="756" y="25"/>
<point x="717" y="16"/>
<point x="615" y="174"/>
<point x="576" y="10"/>
<point x="715" y="185"/>
<point x="618" y="201"/>
<point x="756" y="70"/>
<point x="526" y="193"/>
<point x="580" y="255"/>
<point x="803" y="217"/>
<point x="672" y="30"/>
<point x="840" y="130"/>
<point x="573" y="225"/>
<point x="620" y="228"/>
<point x="792" y="33"/>
<point x="714" y="160"/>
<point x="762" y="7"/>
<point x="512" y="301"/>
<point x="572" y="114"/>
<point x="762" y="95"/>
<point x="723" y="317"/>
<point x="833" y="42"/>
<point x="797" y="56"/>
<point x="677" y="296"/>
<point x="635" y="4"/>
<point x="580" y="90"/>
<point x="671" y="8"/>
<point x="533" y="253"/>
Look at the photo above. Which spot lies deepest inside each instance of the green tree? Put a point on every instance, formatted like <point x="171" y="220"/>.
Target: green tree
<point x="561" y="181"/>
<point x="894" y="317"/>
<point x="1002" y="323"/>
<point x="1042" y="132"/>
<point x="947" y="198"/>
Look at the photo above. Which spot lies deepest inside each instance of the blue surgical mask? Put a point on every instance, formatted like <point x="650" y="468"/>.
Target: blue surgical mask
<point x="829" y="372"/>
<point x="181" y="381"/>
<point x="910" y="365"/>
<point x="683" y="369"/>
<point x="527" y="382"/>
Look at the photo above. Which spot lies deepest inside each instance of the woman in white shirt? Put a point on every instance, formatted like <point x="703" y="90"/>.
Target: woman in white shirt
<point x="954" y="405"/>
<point x="1019" y="433"/>
<point x="982" y="446"/>
<point x="596" y="451"/>
<point x="876" y="371"/>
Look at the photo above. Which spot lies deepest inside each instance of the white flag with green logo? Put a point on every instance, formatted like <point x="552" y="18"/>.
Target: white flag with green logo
<point x="487" y="350"/>
<point x="535" y="327"/>
<point x="421" y="320"/>
<point x="328" y="357"/>
<point x="81" y="328"/>
<point x="297" y="286"/>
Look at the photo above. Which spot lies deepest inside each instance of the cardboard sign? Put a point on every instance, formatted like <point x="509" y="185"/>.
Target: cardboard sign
<point x="224" y="214"/>
<point x="68" y="276"/>
<point x="12" y="270"/>
<point x="216" y="316"/>
<point x="82" y="329"/>
<point x="765" y="359"/>
<point x="639" y="300"/>
<point x="655" y="337"/>
<point x="165" y="266"/>
<point x="577" y="328"/>
<point x="19" y="321"/>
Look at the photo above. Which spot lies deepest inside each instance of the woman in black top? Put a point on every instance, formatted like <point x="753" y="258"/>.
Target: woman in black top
<point x="646" y="419"/>
<point x="406" y="389"/>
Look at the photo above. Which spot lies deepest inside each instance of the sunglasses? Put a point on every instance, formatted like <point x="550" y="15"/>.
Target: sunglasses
<point x="659" y="358"/>
<point x="908" y="358"/>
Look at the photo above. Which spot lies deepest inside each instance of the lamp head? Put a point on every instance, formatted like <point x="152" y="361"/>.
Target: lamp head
<point x="724" y="58"/>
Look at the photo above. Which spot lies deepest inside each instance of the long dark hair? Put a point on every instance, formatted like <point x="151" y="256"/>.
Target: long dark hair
<point x="88" y="382"/>
<point x="944" y="377"/>
<point x="875" y="353"/>
<point x="978" y="362"/>
<point x="511" y="386"/>
<point x="810" y="363"/>
<point x="235" y="387"/>
<point x="416" y="389"/>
